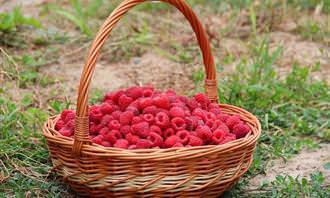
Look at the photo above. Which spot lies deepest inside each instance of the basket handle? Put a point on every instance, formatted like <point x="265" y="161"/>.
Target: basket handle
<point x="82" y="122"/>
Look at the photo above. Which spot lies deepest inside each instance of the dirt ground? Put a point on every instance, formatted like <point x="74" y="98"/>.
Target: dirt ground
<point x="164" y="73"/>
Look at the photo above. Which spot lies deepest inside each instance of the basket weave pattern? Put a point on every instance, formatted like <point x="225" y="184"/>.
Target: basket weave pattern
<point x="97" y="171"/>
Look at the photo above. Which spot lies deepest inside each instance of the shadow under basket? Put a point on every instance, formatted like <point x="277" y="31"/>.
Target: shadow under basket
<point x="201" y="171"/>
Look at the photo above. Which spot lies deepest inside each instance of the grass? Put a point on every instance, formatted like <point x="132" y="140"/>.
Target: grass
<point x="294" y="108"/>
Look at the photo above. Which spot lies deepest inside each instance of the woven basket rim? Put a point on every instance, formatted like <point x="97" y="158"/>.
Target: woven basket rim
<point x="98" y="150"/>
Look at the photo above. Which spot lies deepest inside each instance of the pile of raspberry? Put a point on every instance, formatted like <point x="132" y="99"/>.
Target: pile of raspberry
<point x="142" y="118"/>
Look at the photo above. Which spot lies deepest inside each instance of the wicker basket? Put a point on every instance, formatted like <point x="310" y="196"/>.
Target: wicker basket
<point x="97" y="171"/>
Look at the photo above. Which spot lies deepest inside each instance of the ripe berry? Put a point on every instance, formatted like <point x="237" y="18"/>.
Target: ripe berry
<point x="126" y="117"/>
<point x="114" y="124"/>
<point x="117" y="95"/>
<point x="113" y="136"/>
<point x="204" y="132"/>
<point x="149" y="118"/>
<point x="141" y="129"/>
<point x="104" y="131"/>
<point x="106" y="108"/>
<point x="155" y="139"/>
<point x="65" y="113"/>
<point x="125" y="129"/>
<point x="240" y="130"/>
<point x="162" y="101"/>
<point x="184" y="136"/>
<point x="150" y="110"/>
<point x="116" y="114"/>
<point x="229" y="137"/>
<point x="59" y="124"/>
<point x="134" y="92"/>
<point x="192" y="104"/>
<point x="132" y="139"/>
<point x="98" y="139"/>
<point x="232" y="121"/>
<point x="106" y="119"/>
<point x="133" y="109"/>
<point x="178" y="144"/>
<point x="170" y="141"/>
<point x="124" y="101"/>
<point x="202" y="99"/>
<point x="133" y="146"/>
<point x="177" y="112"/>
<point x="162" y="119"/>
<point x="223" y="117"/>
<point x="168" y="132"/>
<point x="145" y="102"/>
<point x="121" y="143"/>
<point x="66" y="131"/>
<point x="147" y="92"/>
<point x="195" y="141"/>
<point x="199" y="113"/>
<point x="178" y="123"/>
<point x="143" y="144"/>
<point x="156" y="129"/>
<point x="218" y="136"/>
<point x="105" y="144"/>
<point x="136" y="119"/>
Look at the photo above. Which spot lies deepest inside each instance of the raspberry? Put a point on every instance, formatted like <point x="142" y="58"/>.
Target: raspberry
<point x="155" y="139"/>
<point x="178" y="104"/>
<point x="143" y="144"/>
<point x="195" y="141"/>
<point x="125" y="129"/>
<point x="150" y="109"/>
<point x="162" y="101"/>
<point x="192" y="122"/>
<point x="131" y="147"/>
<point x="66" y="131"/>
<point x="141" y="129"/>
<point x="117" y="95"/>
<point x="105" y="144"/>
<point x="121" y="143"/>
<point x="184" y="99"/>
<point x="212" y="124"/>
<point x="147" y="92"/>
<point x="202" y="99"/>
<point x="95" y="115"/>
<point x="106" y="119"/>
<point x="184" y="136"/>
<point x="136" y="119"/>
<point x="134" y="92"/>
<point x="178" y="123"/>
<point x="132" y="139"/>
<point x="156" y="129"/>
<point x="70" y="116"/>
<point x="59" y="124"/>
<point x="162" y="119"/>
<point x="97" y="139"/>
<point x="104" y="131"/>
<point x="229" y="137"/>
<point x="232" y="121"/>
<point x="168" y="132"/>
<point x="177" y="112"/>
<point x="113" y="136"/>
<point x="209" y="117"/>
<point x="114" y="124"/>
<point x="240" y="130"/>
<point x="109" y="96"/>
<point x="133" y="109"/>
<point x="116" y="115"/>
<point x="70" y="124"/>
<point x="145" y="102"/>
<point x="223" y="117"/>
<point x="124" y="101"/>
<point x="204" y="132"/>
<point x="193" y="104"/>
<point x="170" y="141"/>
<point x="65" y="112"/>
<point x="218" y="136"/>
<point x="216" y="111"/>
<point x="149" y="118"/>
<point x="126" y="117"/>
<point x="178" y="144"/>
<point x="106" y="108"/>
<point x="199" y="112"/>
<point x="223" y="127"/>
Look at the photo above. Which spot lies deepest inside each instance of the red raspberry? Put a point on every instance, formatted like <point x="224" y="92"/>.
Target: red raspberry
<point x="150" y="109"/>
<point x="124" y="101"/>
<point x="209" y="117"/>
<point x="132" y="139"/>
<point x="178" y="144"/>
<point x="136" y="119"/>
<point x="126" y="117"/>
<point x="109" y="96"/>
<point x="156" y="129"/>
<point x="212" y="124"/>
<point x="149" y="118"/>
<point x="59" y="124"/>
<point x="170" y="92"/>
<point x="106" y="108"/>
<point x="229" y="137"/>
<point x="143" y="144"/>
<point x="145" y="102"/>
<point x="104" y="131"/>
<point x="199" y="112"/>
<point x="202" y="99"/>
<point x="195" y="141"/>
<point x="141" y="129"/>
<point x="193" y="104"/>
<point x="113" y="136"/>
<point x="233" y="120"/>
<point x="116" y="95"/>
<point x="192" y="122"/>
<point x="162" y="101"/>
<point x="134" y="92"/>
<point x="125" y="129"/>
<point x="223" y="127"/>
<point x="184" y="136"/>
<point x="193" y="133"/>
<point x="65" y="131"/>
<point x="133" y="109"/>
<point x="98" y="139"/>
<point x="105" y="144"/>
<point x="162" y="119"/>
<point x="147" y="92"/>
<point x="177" y="112"/>
<point x="178" y="123"/>
<point x="178" y="104"/>
<point x="223" y="117"/>
<point x="213" y="106"/>
<point x="93" y="129"/>
<point x="116" y="115"/>
<point x="106" y="119"/>
<point x="155" y="139"/>
<point x="65" y="112"/>
<point x="216" y="111"/>
<point x="114" y="124"/>
<point x="218" y="136"/>
<point x="172" y="140"/>
<point x="184" y="99"/>
<point x="168" y="132"/>
<point x="95" y="115"/>
<point x="131" y="147"/>
<point x="204" y="132"/>
<point x="70" y="124"/>
<point x="240" y="130"/>
<point x="70" y="116"/>
<point x="121" y="143"/>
